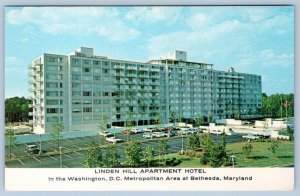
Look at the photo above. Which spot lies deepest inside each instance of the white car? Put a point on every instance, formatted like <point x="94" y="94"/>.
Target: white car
<point x="147" y="135"/>
<point x="250" y="137"/>
<point x="105" y="134"/>
<point x="137" y="131"/>
<point x="113" y="140"/>
<point x="159" y="134"/>
<point x="148" y="129"/>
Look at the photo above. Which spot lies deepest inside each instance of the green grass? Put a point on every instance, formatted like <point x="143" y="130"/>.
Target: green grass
<point x="259" y="157"/>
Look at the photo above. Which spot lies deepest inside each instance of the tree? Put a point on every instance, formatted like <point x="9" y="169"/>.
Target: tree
<point x="10" y="138"/>
<point x="128" y="125"/>
<point x="218" y="156"/>
<point x="207" y="146"/>
<point x="290" y="132"/>
<point x="163" y="147"/>
<point x="193" y="142"/>
<point x="93" y="157"/>
<point x="149" y="155"/>
<point x="209" y="117"/>
<point x="199" y="121"/>
<point x="55" y="134"/>
<point x="102" y="126"/>
<point x="158" y="120"/>
<point x="247" y="149"/>
<point x="133" y="154"/>
<point x="173" y="118"/>
<point x="274" y="146"/>
<point x="103" y="123"/>
<point x="112" y="156"/>
<point x="214" y="155"/>
<point x="16" y="109"/>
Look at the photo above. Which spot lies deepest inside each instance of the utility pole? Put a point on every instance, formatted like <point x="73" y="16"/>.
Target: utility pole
<point x="280" y="107"/>
<point x="60" y="157"/>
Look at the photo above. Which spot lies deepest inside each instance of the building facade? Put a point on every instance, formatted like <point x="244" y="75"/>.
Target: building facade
<point x="81" y="89"/>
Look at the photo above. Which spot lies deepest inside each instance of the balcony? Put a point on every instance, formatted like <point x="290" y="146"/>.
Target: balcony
<point x="119" y="67"/>
<point x="131" y="68"/>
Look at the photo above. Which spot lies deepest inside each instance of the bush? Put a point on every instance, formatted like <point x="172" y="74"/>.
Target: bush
<point x="173" y="161"/>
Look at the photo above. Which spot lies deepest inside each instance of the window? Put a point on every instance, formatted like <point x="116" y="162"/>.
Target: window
<point x="76" y="69"/>
<point x="51" y="84"/>
<point x="52" y="119"/>
<point x="89" y="109"/>
<point x="76" y="110"/>
<point x="54" y="76"/>
<point x="76" y="77"/>
<point x="86" y="69"/>
<point x="97" y="78"/>
<point x="76" y="61"/>
<point x="87" y="93"/>
<point x="97" y="101"/>
<point x="76" y="93"/>
<point x="87" y="86"/>
<point x="87" y="78"/>
<point x="87" y="101"/>
<point x="105" y="101"/>
<point x="76" y="102"/>
<point x="95" y="62"/>
<point x="52" y="93"/>
<point x="86" y="61"/>
<point x="51" y="102"/>
<point x="76" y="85"/>
<point x="52" y="110"/>
<point x="106" y="94"/>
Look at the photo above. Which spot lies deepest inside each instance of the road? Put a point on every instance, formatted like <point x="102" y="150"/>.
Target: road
<point x="73" y="150"/>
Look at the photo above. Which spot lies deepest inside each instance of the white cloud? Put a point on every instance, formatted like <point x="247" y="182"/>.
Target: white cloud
<point x="154" y="14"/>
<point x="198" y="21"/>
<point x="106" y="22"/>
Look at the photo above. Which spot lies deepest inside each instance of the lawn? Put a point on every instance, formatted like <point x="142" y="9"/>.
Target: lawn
<point x="259" y="157"/>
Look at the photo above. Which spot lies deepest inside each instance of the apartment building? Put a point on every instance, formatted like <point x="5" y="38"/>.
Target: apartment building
<point x="81" y="88"/>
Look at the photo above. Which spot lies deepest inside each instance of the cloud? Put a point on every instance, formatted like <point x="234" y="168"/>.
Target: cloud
<point x="13" y="65"/>
<point x="154" y="14"/>
<point x="104" y="21"/>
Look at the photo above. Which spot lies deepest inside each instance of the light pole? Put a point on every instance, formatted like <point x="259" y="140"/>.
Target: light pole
<point x="60" y="157"/>
<point x="232" y="159"/>
<point x="40" y="144"/>
<point x="181" y="143"/>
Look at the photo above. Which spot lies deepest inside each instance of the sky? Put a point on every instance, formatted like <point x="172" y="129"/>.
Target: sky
<point x="252" y="39"/>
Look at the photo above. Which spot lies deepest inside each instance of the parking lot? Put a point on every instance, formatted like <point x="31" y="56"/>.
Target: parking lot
<point x="73" y="150"/>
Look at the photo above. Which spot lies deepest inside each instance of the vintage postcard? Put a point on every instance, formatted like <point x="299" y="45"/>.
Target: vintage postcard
<point x="149" y="98"/>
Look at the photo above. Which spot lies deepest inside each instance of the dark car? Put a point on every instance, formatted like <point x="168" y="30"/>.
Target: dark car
<point x="32" y="149"/>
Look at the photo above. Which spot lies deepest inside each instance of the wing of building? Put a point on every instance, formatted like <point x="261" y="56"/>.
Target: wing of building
<point x="80" y="89"/>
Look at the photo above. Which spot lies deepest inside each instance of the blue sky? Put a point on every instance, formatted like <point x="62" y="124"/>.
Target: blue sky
<point x="252" y="39"/>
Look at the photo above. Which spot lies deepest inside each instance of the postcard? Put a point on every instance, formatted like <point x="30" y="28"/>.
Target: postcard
<point x="106" y="98"/>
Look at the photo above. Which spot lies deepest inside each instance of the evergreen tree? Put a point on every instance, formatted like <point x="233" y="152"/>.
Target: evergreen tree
<point x="133" y="154"/>
<point x="112" y="156"/>
<point x="193" y="142"/>
<point x="55" y="134"/>
<point x="247" y="149"/>
<point x="93" y="157"/>
<point x="274" y="146"/>
<point x="149" y="156"/>
<point x="163" y="147"/>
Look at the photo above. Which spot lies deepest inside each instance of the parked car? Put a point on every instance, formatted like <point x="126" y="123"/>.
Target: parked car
<point x="127" y="132"/>
<point x="105" y="133"/>
<point x="192" y="130"/>
<point x="32" y="149"/>
<point x="113" y="140"/>
<point x="147" y="135"/>
<point x="217" y="132"/>
<point x="137" y="131"/>
<point x="250" y="137"/>
<point x="187" y="131"/>
<point x="160" y="134"/>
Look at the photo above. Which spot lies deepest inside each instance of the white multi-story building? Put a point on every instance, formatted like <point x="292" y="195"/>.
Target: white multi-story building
<point x="80" y="89"/>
